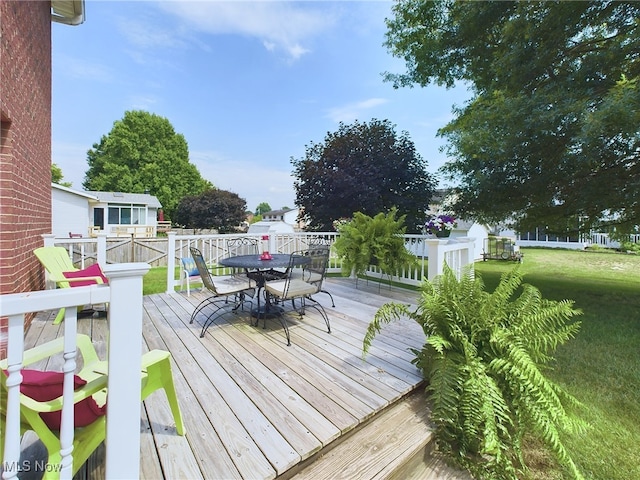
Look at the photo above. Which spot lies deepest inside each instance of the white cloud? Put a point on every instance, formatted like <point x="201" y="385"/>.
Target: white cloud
<point x="83" y="69"/>
<point x="353" y="111"/>
<point x="280" y="26"/>
<point x="148" y="34"/>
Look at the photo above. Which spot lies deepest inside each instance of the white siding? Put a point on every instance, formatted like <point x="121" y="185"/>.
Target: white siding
<point x="476" y="231"/>
<point x="152" y="216"/>
<point x="69" y="213"/>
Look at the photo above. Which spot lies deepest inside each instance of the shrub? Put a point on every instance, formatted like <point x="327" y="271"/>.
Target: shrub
<point x="630" y="247"/>
<point x="376" y="240"/>
<point x="484" y="360"/>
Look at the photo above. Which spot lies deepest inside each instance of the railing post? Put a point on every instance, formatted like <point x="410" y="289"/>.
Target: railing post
<point x="101" y="246"/>
<point x="436" y="257"/>
<point x="125" y="353"/>
<point x="49" y="239"/>
<point x="171" y="262"/>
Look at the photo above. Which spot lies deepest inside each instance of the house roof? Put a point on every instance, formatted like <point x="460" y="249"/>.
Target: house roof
<point x="464" y="224"/>
<point x="278" y="212"/>
<point x="74" y="192"/>
<point x="120" y="197"/>
<point x="467" y="224"/>
<point x="69" y="12"/>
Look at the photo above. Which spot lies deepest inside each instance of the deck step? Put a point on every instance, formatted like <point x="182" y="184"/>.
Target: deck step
<point x="395" y="444"/>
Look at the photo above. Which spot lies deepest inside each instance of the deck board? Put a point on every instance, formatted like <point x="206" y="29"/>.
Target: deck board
<point x="254" y="407"/>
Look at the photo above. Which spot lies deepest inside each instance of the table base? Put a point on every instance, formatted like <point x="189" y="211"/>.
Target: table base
<point x="271" y="311"/>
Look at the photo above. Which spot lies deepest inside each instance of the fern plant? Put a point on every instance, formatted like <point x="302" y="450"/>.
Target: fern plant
<point x="378" y="240"/>
<point x="484" y="361"/>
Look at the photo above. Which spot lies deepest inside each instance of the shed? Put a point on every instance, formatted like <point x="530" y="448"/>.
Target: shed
<point x="474" y="230"/>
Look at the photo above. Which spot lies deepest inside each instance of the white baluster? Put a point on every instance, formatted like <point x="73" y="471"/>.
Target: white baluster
<point x="15" y="347"/>
<point x="67" y="419"/>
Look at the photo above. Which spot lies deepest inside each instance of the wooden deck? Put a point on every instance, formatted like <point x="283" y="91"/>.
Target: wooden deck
<point x="253" y="407"/>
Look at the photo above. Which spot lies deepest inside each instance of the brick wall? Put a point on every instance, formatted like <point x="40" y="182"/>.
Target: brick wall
<point x="25" y="146"/>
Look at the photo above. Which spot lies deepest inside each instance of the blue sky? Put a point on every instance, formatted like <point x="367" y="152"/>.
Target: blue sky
<point x="248" y="84"/>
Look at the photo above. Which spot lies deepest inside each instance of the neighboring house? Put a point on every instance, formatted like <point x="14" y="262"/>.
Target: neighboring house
<point x="123" y="214"/>
<point x="539" y="238"/>
<point x="289" y="216"/>
<point x="270" y="227"/>
<point x="117" y="214"/>
<point x="70" y="211"/>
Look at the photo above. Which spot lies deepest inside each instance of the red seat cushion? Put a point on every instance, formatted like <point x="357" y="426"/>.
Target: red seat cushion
<point x="92" y="271"/>
<point x="46" y="385"/>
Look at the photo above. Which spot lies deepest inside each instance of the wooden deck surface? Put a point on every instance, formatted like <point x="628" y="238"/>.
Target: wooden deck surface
<point x="254" y="407"/>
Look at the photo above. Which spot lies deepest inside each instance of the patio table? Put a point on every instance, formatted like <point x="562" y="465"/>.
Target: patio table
<point x="262" y="271"/>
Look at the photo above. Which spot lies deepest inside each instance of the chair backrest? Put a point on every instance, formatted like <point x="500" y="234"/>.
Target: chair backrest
<point x="317" y="241"/>
<point x="294" y="270"/>
<point x="55" y="260"/>
<point x="242" y="246"/>
<point x="312" y="269"/>
<point x="201" y="265"/>
<point x="314" y="272"/>
<point x="189" y="266"/>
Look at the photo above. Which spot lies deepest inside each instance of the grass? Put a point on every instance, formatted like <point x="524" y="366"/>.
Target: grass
<point x="155" y="281"/>
<point x="600" y="367"/>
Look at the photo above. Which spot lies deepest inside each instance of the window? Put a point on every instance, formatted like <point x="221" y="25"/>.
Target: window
<point x="127" y="214"/>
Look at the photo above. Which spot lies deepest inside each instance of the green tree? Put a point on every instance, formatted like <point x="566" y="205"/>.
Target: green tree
<point x="56" y="176"/>
<point x="143" y="153"/>
<point x="551" y="134"/>
<point x="214" y="208"/>
<point x="362" y="167"/>
<point x="263" y="208"/>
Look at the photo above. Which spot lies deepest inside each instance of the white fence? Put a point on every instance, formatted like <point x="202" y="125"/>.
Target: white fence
<point x="535" y="239"/>
<point x="214" y="248"/>
<point x="124" y="295"/>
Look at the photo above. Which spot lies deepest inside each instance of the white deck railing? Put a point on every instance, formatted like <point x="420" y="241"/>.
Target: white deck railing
<point x="213" y="248"/>
<point x="455" y="252"/>
<point x="124" y="296"/>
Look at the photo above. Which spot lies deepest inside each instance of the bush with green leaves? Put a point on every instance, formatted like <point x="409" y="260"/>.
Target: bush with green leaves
<point x="630" y="247"/>
<point x="484" y="361"/>
<point x="375" y="240"/>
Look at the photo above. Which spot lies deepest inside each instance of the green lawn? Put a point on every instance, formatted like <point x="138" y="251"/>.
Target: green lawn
<point x="600" y="367"/>
<point x="156" y="280"/>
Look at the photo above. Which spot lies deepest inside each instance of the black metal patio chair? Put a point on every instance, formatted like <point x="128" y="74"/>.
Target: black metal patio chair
<point x="294" y="287"/>
<point x="226" y="290"/>
<point x="316" y="271"/>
